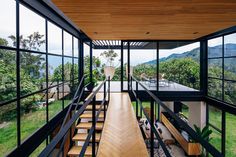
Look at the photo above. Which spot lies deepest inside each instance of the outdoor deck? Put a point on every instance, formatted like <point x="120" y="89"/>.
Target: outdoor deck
<point x="116" y="86"/>
<point x="121" y="135"/>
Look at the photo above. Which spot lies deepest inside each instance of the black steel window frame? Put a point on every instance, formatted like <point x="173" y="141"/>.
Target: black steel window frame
<point x="196" y="95"/>
<point x="17" y="50"/>
<point x="222" y="58"/>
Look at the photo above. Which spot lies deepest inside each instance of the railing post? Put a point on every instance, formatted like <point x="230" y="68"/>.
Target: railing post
<point x="152" y="126"/>
<point x="137" y="99"/>
<point x="104" y="98"/>
<point x="94" y="126"/>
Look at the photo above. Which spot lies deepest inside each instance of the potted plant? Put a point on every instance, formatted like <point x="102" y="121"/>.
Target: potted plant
<point x="205" y="134"/>
<point x="109" y="69"/>
<point x="90" y="85"/>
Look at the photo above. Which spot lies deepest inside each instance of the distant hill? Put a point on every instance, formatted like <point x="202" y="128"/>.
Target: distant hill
<point x="194" y="54"/>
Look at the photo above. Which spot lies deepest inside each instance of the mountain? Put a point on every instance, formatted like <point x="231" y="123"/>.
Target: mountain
<point x="216" y="51"/>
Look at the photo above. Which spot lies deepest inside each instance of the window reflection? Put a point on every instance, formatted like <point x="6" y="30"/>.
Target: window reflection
<point x="32" y="30"/>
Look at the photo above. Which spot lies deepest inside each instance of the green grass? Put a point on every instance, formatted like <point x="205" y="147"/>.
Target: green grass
<point x="144" y="104"/>
<point x="30" y="122"/>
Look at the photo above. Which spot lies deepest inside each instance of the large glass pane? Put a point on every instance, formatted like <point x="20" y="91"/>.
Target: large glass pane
<point x="32" y="30"/>
<point x="55" y="70"/>
<point x="215" y="116"/>
<point x="68" y="69"/>
<point x="215" y="88"/>
<point x="54" y="39"/>
<point x="68" y="93"/>
<point x="230" y="135"/>
<point x="86" y="59"/>
<point x="8" y="75"/>
<point x="55" y="96"/>
<point x="179" y="66"/>
<point x="33" y="114"/>
<point x="215" y="139"/>
<point x="230" y="68"/>
<point x="8" y="23"/>
<point x="104" y="62"/>
<point x="215" y="47"/>
<point x="33" y="72"/>
<point x="76" y="47"/>
<point x="230" y="92"/>
<point x="8" y="129"/>
<point x="67" y="44"/>
<point x="143" y="63"/>
<point x="215" y="120"/>
<point x="215" y="68"/>
<point x="230" y="45"/>
<point x="76" y="68"/>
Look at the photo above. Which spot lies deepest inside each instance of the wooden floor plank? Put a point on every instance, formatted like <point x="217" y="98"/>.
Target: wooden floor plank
<point x="121" y="136"/>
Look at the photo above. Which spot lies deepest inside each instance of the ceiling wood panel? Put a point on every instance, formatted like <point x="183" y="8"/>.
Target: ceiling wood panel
<point x="165" y="20"/>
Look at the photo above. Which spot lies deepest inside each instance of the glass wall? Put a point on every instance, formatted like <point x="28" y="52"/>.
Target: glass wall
<point x="179" y="66"/>
<point x="230" y="135"/>
<point x="87" y="62"/>
<point x="222" y="68"/>
<point x="105" y="60"/>
<point x="215" y="124"/>
<point x="40" y="93"/>
<point x="143" y="63"/>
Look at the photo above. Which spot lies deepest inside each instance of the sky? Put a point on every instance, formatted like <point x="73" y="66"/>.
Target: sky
<point x="31" y="22"/>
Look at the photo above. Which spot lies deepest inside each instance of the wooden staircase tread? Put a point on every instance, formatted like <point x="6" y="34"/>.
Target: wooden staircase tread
<point x="89" y="115"/>
<point x="88" y="125"/>
<point x="75" y="151"/>
<point x="83" y="136"/>
<point x="90" y="107"/>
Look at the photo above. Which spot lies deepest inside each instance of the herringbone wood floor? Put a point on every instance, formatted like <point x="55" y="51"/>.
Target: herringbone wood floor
<point x="121" y="136"/>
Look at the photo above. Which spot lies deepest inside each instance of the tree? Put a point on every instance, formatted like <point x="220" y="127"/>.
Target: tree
<point x="110" y="56"/>
<point x="181" y="71"/>
<point x="32" y="42"/>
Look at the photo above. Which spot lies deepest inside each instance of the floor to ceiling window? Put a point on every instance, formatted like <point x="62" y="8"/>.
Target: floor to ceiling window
<point x="44" y="64"/>
<point x="87" y="62"/>
<point x="222" y="68"/>
<point x="179" y="66"/>
<point x="107" y="61"/>
<point x="143" y="63"/>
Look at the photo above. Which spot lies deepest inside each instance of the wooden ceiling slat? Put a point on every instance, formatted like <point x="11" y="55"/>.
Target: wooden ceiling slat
<point x="128" y="19"/>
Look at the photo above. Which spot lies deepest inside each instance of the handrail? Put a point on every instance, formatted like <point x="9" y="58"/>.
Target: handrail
<point x="153" y="129"/>
<point x="212" y="150"/>
<point x="73" y="101"/>
<point x="76" y="97"/>
<point x="64" y="130"/>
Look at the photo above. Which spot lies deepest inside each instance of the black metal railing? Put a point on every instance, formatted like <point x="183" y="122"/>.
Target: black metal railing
<point x="70" y="119"/>
<point x="154" y="99"/>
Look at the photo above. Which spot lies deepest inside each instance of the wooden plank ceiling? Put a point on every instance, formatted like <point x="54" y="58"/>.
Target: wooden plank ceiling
<point x="149" y="19"/>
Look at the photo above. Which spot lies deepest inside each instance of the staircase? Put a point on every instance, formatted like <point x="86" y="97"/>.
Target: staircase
<point x="82" y="130"/>
<point x="89" y="116"/>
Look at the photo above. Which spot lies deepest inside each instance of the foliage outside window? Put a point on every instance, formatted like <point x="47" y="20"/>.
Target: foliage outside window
<point x="222" y="68"/>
